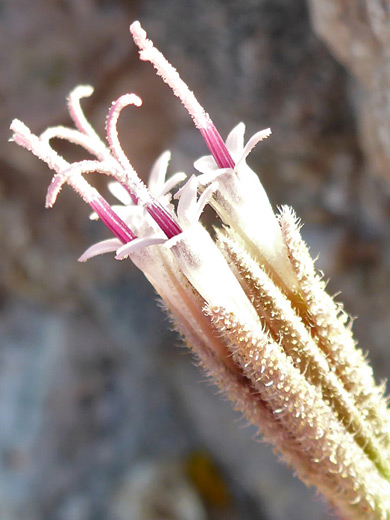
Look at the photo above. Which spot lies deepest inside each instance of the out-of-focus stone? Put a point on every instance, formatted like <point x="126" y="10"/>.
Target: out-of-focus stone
<point x="156" y="490"/>
<point x="358" y="33"/>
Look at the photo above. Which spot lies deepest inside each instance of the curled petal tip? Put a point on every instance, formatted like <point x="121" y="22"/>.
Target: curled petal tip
<point x="135" y="26"/>
<point x="53" y="191"/>
<point x="105" y="246"/>
<point x="14" y="124"/>
<point x="82" y="258"/>
<point x="140" y="38"/>
<point x="81" y="91"/>
<point x="166" y="156"/>
<point x="126" y="100"/>
<point x="19" y="129"/>
<point x="132" y="99"/>
<point x="137" y="32"/>
<point x="136" y="245"/>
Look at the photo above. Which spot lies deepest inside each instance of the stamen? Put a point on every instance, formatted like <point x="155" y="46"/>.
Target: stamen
<point x="217" y="147"/>
<point x="130" y="180"/>
<point x="112" y="132"/>
<point x="76" y="112"/>
<point x="42" y="149"/>
<point x="170" y="76"/>
<point x="114" y="223"/>
<point x="116" y="165"/>
<point x="163" y="219"/>
<point x="65" y="176"/>
<point x="76" y="137"/>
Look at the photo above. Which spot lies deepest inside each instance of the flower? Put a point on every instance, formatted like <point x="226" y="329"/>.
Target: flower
<point x="241" y="201"/>
<point x="248" y="302"/>
<point x="243" y="204"/>
<point x="134" y="215"/>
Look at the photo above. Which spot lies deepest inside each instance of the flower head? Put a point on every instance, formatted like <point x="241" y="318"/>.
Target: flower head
<point x="248" y="301"/>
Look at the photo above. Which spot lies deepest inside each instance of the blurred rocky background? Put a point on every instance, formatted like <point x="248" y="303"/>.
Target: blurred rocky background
<point x="103" y="415"/>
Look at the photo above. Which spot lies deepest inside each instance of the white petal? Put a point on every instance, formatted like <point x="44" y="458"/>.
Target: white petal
<point x="173" y="181"/>
<point x="256" y="138"/>
<point x="190" y="208"/>
<point x="186" y="209"/>
<point x="208" y="178"/>
<point x="120" y="193"/>
<point x="207" y="270"/>
<point x="137" y="244"/>
<point x="204" y="199"/>
<point x="235" y="141"/>
<point x="105" y="246"/>
<point x="205" y="164"/>
<point x="158" y="173"/>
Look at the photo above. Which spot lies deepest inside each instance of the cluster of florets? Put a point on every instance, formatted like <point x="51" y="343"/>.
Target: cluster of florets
<point x="247" y="300"/>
